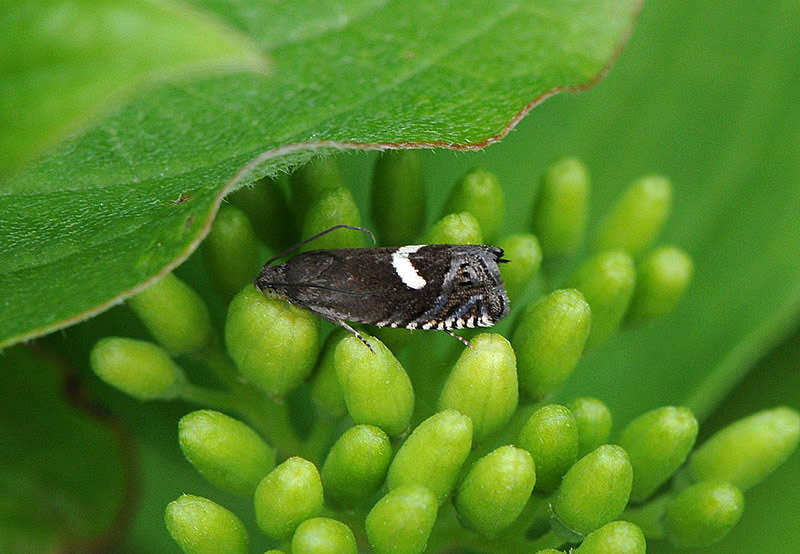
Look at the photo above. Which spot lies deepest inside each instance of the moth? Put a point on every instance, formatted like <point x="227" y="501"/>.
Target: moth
<point x="435" y="286"/>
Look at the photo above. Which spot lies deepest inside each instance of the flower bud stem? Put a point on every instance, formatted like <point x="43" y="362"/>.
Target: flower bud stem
<point x="219" y="400"/>
<point x="214" y="359"/>
<point x="551" y="539"/>
<point x="428" y="368"/>
<point x="510" y="541"/>
<point x="242" y="399"/>
<point x="649" y="516"/>
<point x="268" y="417"/>
<point x="316" y="444"/>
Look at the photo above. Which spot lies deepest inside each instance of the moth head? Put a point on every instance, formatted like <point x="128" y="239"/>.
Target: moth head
<point x="269" y="277"/>
<point x="477" y="267"/>
<point x="474" y="288"/>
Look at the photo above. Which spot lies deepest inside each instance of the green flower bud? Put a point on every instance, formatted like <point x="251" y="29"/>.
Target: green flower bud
<point x="138" y="368"/>
<point x="617" y="537"/>
<point x="661" y="279"/>
<point x="309" y="180"/>
<point x="273" y="343"/>
<point x="657" y="443"/>
<point x="479" y="193"/>
<point x="748" y="450"/>
<point x="325" y="390"/>
<point x="356" y="465"/>
<point x="322" y="535"/>
<point x="225" y="451"/>
<point x="231" y="251"/>
<point x="595" y="490"/>
<point x="333" y="207"/>
<point x="433" y="454"/>
<point x="495" y="490"/>
<point x="401" y="521"/>
<point x="174" y="314"/>
<point x="549" y="340"/>
<point x="703" y="513"/>
<point x="559" y="213"/>
<point x="398" y="196"/>
<point x="200" y="526"/>
<point x="636" y="219"/>
<point x="551" y="436"/>
<point x="268" y="211"/>
<point x="594" y="423"/>
<point x="525" y="252"/>
<point x="375" y="386"/>
<point x="607" y="281"/>
<point x="483" y="384"/>
<point x="290" y="494"/>
<point x="461" y="228"/>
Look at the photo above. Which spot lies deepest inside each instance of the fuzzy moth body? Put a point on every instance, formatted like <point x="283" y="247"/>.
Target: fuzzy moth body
<point x="436" y="286"/>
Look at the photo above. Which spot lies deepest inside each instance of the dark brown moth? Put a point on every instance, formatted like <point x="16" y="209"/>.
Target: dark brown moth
<point x="434" y="286"/>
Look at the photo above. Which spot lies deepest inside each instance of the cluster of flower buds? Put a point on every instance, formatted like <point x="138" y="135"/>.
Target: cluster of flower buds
<point x="412" y="444"/>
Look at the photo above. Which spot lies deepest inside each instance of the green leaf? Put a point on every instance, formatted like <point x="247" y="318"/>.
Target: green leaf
<point x="70" y="61"/>
<point x="62" y="478"/>
<point x="121" y="204"/>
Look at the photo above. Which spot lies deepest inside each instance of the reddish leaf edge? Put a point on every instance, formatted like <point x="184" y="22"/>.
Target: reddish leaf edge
<point x="249" y="173"/>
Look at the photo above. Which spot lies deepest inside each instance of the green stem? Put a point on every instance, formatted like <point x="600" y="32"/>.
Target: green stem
<point x="269" y="417"/>
<point x="354" y="519"/>
<point x="649" y="516"/>
<point x="551" y="539"/>
<point x="215" y="359"/>
<point x="447" y="527"/>
<point x="506" y="435"/>
<point x="450" y="537"/>
<point x="428" y="365"/>
<point x="318" y="441"/>
<point x="218" y="400"/>
<point x="536" y="513"/>
<point x="424" y="379"/>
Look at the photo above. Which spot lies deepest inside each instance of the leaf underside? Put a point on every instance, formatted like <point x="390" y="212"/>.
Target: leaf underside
<point x="99" y="218"/>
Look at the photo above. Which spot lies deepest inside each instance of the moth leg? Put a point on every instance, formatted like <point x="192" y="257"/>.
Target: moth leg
<point x="329" y="315"/>
<point x="464" y="341"/>
<point x="356" y="333"/>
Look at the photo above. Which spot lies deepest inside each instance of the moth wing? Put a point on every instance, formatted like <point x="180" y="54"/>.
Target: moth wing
<point x="347" y="284"/>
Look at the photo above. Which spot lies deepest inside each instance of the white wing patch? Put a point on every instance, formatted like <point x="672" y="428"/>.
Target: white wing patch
<point x="405" y="269"/>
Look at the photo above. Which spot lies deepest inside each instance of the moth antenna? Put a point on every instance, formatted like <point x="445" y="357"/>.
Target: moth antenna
<point x="325" y="232"/>
<point x="356" y="333"/>
<point x="464" y="341"/>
